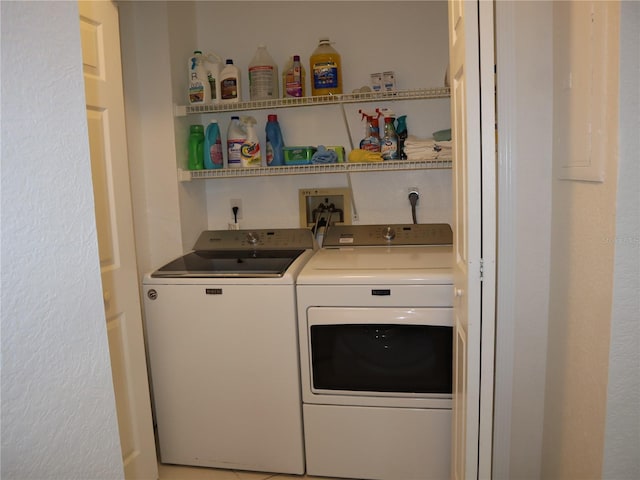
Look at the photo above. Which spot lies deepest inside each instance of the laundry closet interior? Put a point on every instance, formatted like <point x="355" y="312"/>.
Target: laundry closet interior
<point x="171" y="209"/>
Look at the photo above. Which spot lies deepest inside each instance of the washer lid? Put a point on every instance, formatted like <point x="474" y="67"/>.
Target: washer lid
<point x="380" y="265"/>
<point x="232" y="263"/>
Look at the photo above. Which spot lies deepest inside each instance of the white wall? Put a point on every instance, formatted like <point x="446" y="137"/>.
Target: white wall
<point x="622" y="435"/>
<point x="58" y="408"/>
<point x="409" y="38"/>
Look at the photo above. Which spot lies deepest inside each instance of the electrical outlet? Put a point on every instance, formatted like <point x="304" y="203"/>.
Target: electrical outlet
<point x="236" y="202"/>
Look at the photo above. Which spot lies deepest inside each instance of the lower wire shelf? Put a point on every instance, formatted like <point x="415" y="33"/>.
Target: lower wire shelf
<point x="389" y="165"/>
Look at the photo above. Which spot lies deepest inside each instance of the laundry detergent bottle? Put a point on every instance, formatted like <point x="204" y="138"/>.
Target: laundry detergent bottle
<point x="213" y="146"/>
<point x="326" y="69"/>
<point x="196" y="147"/>
<point x="275" y="143"/>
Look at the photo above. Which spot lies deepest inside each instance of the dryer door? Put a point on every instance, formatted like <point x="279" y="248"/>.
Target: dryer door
<point x="380" y="352"/>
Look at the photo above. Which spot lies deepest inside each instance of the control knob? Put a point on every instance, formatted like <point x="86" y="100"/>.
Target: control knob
<point x="252" y="238"/>
<point x="389" y="233"/>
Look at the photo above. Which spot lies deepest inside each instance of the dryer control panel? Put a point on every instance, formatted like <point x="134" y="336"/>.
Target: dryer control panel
<point x="388" y="235"/>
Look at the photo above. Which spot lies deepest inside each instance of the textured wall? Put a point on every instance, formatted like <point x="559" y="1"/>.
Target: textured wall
<point x="622" y="441"/>
<point x="582" y="254"/>
<point x="58" y="410"/>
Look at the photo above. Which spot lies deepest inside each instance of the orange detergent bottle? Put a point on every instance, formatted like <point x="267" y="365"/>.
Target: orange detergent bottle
<point x="326" y="70"/>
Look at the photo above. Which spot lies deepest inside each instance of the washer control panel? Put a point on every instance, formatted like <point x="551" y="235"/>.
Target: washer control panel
<point x="386" y="235"/>
<point x="275" y="239"/>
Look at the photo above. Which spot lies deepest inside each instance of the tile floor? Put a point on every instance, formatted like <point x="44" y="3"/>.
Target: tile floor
<point x="175" y="472"/>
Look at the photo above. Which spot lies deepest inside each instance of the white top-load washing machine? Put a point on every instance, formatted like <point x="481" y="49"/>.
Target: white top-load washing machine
<point x="223" y="350"/>
<point x="375" y="328"/>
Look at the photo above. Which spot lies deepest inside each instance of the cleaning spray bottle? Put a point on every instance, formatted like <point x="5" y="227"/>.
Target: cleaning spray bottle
<point x="250" y="150"/>
<point x="371" y="140"/>
<point x="403" y="133"/>
<point x="199" y="87"/>
<point x="389" y="143"/>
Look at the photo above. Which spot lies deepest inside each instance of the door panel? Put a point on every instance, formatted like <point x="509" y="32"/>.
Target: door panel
<point x="467" y="131"/>
<point x="109" y="165"/>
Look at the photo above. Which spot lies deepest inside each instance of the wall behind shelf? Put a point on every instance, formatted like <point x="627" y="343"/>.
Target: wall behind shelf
<point x="157" y="38"/>
<point x="409" y="38"/>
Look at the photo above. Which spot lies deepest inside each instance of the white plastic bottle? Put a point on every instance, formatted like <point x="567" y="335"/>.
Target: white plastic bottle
<point x="213" y="67"/>
<point x="263" y="76"/>
<point x="230" y="87"/>
<point x="250" y="151"/>
<point x="199" y="87"/>
<point x="236" y="136"/>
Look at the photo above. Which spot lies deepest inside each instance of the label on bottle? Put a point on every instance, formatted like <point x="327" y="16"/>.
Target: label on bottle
<point x="229" y="88"/>
<point x="370" y="144"/>
<point x="389" y="149"/>
<point x="196" y="90"/>
<point x="215" y="154"/>
<point x="261" y="82"/>
<point x="269" y="153"/>
<point x="234" y="147"/>
<point x="212" y="85"/>
<point x="250" y="154"/>
<point x="294" y="82"/>
<point x="325" y="75"/>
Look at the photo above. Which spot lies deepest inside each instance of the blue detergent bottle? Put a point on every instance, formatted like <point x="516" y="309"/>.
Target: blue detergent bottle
<point x="213" y="146"/>
<point x="275" y="143"/>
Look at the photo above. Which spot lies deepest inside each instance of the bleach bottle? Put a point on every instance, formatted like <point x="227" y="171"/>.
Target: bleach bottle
<point x="250" y="150"/>
<point x="212" y="146"/>
<point x="275" y="143"/>
<point x="236" y="136"/>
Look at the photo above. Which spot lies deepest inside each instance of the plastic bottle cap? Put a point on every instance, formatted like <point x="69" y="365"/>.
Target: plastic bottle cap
<point x="197" y="52"/>
<point x="272" y="118"/>
<point x="213" y="121"/>
<point x="296" y="58"/>
<point x="235" y="117"/>
<point x="324" y="40"/>
<point x="196" y="129"/>
<point x="229" y="61"/>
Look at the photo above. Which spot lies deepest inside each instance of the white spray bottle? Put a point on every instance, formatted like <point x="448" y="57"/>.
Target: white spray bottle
<point x="250" y="152"/>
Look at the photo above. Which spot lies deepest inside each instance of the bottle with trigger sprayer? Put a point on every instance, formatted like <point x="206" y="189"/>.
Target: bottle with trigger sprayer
<point x="371" y="140"/>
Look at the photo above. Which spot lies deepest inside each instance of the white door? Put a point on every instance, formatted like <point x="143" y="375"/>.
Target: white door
<point x="109" y="164"/>
<point x="472" y="117"/>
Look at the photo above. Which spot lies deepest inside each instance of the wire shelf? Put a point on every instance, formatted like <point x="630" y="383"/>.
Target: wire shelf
<point x="416" y="94"/>
<point x="389" y="165"/>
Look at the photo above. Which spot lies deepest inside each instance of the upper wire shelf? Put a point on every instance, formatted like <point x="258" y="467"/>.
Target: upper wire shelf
<point x="415" y="94"/>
